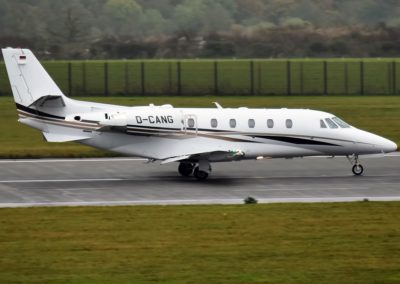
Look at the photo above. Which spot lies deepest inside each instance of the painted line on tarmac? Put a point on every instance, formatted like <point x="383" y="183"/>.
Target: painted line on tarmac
<point x="72" y="160"/>
<point x="199" y="201"/>
<point x="60" y="180"/>
<point x="178" y="178"/>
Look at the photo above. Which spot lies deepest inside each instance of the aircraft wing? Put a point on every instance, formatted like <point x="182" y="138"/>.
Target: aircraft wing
<point x="59" y="137"/>
<point x="211" y="155"/>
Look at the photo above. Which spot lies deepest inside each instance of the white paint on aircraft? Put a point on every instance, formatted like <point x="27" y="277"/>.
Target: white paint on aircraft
<point x="194" y="137"/>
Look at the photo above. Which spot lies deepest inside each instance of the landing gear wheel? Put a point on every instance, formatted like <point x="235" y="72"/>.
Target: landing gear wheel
<point x="200" y="175"/>
<point x="357" y="170"/>
<point x="185" y="169"/>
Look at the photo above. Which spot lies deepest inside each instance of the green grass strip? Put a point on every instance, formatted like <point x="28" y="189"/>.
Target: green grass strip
<point x="275" y="243"/>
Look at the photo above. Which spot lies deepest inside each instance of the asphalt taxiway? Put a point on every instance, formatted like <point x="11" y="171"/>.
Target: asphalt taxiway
<point x="120" y="181"/>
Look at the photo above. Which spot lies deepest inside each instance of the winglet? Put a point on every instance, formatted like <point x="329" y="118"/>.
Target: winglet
<point x="218" y="105"/>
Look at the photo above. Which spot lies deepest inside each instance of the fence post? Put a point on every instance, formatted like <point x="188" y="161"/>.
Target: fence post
<point x="169" y="77"/>
<point x="289" y="77"/>
<point x="179" y="74"/>
<point x="216" y="85"/>
<point x="346" y="78"/>
<point x="362" y="78"/>
<point x="302" y="78"/>
<point x="126" y="78"/>
<point x="394" y="75"/>
<point x="84" y="91"/>
<point x="252" y="77"/>
<point x="142" y="78"/>
<point x="106" y="79"/>
<point x="259" y="78"/>
<point x="69" y="78"/>
<point x="325" y="66"/>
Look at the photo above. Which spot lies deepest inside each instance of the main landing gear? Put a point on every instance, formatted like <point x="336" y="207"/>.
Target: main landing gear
<point x="357" y="168"/>
<point x="200" y="171"/>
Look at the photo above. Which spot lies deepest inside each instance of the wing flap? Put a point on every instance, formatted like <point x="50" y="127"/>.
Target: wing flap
<point x="218" y="155"/>
<point x="175" y="159"/>
<point x="58" y="137"/>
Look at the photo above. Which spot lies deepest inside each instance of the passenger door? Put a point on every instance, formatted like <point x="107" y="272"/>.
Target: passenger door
<point x="190" y="124"/>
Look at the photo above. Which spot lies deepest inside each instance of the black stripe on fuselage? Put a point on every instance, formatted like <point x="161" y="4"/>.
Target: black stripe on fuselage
<point x="37" y="112"/>
<point x="286" y="139"/>
<point x="152" y="127"/>
<point x="179" y="129"/>
<point x="298" y="141"/>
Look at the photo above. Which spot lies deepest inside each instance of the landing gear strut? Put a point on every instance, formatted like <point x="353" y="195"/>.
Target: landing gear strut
<point x="199" y="171"/>
<point x="357" y="168"/>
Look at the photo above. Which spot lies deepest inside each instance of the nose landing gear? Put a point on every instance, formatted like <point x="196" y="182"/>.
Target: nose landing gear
<point x="357" y="168"/>
<point x="200" y="171"/>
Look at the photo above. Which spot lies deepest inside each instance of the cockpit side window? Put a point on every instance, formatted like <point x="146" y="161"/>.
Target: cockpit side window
<point x="331" y="124"/>
<point x="340" y="122"/>
<point x="322" y="123"/>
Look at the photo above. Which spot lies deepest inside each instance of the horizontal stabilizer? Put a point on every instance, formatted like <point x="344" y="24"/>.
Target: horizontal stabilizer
<point x="49" y="101"/>
<point x="59" y="137"/>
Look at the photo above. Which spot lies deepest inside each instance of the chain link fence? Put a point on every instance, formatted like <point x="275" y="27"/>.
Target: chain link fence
<point x="222" y="77"/>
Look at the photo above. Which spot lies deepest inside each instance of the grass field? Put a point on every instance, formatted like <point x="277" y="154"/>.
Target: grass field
<point x="276" y="243"/>
<point x="223" y="77"/>
<point x="380" y="115"/>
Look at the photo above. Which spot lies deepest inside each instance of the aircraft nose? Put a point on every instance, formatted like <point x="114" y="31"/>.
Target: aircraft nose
<point x="379" y="143"/>
<point x="385" y="145"/>
<point x="389" y="146"/>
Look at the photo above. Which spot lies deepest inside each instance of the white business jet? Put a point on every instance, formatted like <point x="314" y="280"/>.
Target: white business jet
<point x="194" y="137"/>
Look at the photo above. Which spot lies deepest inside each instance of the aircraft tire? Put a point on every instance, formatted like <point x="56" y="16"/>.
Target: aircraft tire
<point x="185" y="169"/>
<point x="200" y="175"/>
<point x="357" y="170"/>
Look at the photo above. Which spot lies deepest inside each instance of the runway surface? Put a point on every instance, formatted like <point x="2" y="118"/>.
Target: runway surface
<point x="75" y="182"/>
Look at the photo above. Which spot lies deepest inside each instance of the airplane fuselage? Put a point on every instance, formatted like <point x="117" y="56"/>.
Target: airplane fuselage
<point x="195" y="137"/>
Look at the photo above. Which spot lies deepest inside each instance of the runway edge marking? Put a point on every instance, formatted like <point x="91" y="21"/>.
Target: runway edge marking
<point x="199" y="202"/>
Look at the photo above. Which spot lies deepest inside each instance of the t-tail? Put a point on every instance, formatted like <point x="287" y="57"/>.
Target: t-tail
<point x="42" y="105"/>
<point x="30" y="83"/>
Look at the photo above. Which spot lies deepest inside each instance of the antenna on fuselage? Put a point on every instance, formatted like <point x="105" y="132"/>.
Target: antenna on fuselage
<point x="218" y="105"/>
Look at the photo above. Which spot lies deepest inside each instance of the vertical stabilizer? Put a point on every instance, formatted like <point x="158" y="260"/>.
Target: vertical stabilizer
<point x="29" y="80"/>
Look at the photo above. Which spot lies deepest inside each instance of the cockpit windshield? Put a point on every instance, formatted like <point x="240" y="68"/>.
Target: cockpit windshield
<point x="340" y="122"/>
<point x="330" y="123"/>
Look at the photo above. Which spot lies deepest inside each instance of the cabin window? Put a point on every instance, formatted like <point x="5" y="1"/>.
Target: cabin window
<point x="214" y="123"/>
<point x="232" y="123"/>
<point x="340" y="122"/>
<point x="322" y="123"/>
<point x="289" y="123"/>
<point x="331" y="124"/>
<point x="191" y="122"/>
<point x="252" y="123"/>
<point x="270" y="123"/>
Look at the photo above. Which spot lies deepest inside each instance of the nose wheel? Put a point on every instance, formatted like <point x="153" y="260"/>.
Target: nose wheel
<point x="357" y="168"/>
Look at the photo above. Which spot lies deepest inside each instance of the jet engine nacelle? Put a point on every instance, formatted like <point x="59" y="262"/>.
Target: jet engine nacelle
<point x="115" y="119"/>
<point x="101" y="118"/>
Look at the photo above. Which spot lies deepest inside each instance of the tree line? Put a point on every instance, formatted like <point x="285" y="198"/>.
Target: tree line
<point x="90" y="29"/>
